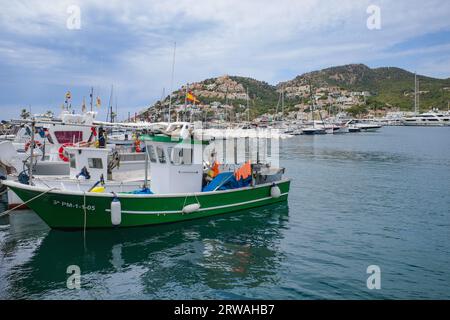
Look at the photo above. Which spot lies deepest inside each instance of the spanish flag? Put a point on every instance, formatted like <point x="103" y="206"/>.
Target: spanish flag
<point x="190" y="97"/>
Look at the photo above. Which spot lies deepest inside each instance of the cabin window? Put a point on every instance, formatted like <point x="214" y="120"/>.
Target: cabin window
<point x="161" y="155"/>
<point x="151" y="153"/>
<point x="95" y="163"/>
<point x="68" y="136"/>
<point x="179" y="156"/>
<point x="173" y="155"/>
<point x="72" y="161"/>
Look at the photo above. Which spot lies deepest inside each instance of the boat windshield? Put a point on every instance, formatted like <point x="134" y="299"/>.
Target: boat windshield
<point x="151" y="153"/>
<point x="68" y="136"/>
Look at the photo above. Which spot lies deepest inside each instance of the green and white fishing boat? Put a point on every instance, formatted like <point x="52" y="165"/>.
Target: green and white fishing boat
<point x="178" y="189"/>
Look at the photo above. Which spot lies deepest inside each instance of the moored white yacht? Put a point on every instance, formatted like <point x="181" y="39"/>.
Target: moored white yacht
<point x="364" y="125"/>
<point x="431" y="118"/>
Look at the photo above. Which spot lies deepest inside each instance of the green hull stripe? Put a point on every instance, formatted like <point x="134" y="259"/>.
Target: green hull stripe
<point x="201" y="209"/>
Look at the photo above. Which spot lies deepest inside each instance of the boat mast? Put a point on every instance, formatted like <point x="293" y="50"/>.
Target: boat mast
<point x="185" y="102"/>
<point x="171" y="79"/>
<point x="278" y="104"/>
<point x="415" y="93"/>
<point x="110" y="111"/>
<point x="248" y="110"/>
<point x="30" y="168"/>
<point x="418" y="95"/>
<point x="91" y="95"/>
<point x="116" y="113"/>
<point x="312" y="103"/>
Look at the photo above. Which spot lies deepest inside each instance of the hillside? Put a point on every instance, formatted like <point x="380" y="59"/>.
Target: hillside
<point x="349" y="85"/>
<point x="389" y="86"/>
<point x="231" y="91"/>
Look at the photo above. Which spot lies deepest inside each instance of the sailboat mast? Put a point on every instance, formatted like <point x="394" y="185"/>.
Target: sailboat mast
<point x="418" y="95"/>
<point x="171" y="79"/>
<point x="116" y="115"/>
<point x="312" y="103"/>
<point x="278" y="104"/>
<point x="110" y="105"/>
<point x="415" y="93"/>
<point x="185" y="101"/>
<point x="248" y="110"/>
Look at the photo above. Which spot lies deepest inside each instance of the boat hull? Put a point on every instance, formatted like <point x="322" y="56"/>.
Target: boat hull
<point x="65" y="210"/>
<point x="425" y="124"/>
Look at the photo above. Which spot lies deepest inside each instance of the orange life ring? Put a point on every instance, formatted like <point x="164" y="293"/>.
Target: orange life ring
<point x="61" y="150"/>
<point x="36" y="144"/>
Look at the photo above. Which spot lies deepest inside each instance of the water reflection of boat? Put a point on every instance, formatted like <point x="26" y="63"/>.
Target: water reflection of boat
<point x="213" y="251"/>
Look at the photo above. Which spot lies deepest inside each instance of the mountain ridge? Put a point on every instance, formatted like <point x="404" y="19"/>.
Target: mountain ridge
<point x="382" y="88"/>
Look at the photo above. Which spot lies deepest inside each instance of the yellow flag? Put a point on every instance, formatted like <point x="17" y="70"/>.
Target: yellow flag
<point x="99" y="103"/>
<point x="68" y="95"/>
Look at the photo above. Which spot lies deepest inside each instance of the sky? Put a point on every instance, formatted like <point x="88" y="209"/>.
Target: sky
<point x="47" y="48"/>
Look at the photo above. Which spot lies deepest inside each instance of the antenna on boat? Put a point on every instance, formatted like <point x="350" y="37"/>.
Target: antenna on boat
<point x="171" y="79"/>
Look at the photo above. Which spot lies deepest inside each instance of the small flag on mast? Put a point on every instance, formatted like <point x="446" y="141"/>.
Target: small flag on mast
<point x="99" y="103"/>
<point x="83" y="106"/>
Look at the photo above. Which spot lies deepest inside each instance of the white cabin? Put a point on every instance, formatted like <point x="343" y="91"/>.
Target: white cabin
<point x="95" y="160"/>
<point x="173" y="165"/>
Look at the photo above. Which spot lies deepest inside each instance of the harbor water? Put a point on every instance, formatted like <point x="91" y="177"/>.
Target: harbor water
<point x="356" y="200"/>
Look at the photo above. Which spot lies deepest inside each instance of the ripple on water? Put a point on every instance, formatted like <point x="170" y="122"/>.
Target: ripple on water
<point x="356" y="200"/>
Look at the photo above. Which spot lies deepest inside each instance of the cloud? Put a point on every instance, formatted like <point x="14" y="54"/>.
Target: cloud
<point x="130" y="44"/>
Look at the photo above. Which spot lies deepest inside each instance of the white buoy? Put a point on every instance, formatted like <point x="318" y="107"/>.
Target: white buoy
<point x="190" y="208"/>
<point x="116" y="212"/>
<point x="275" y="192"/>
